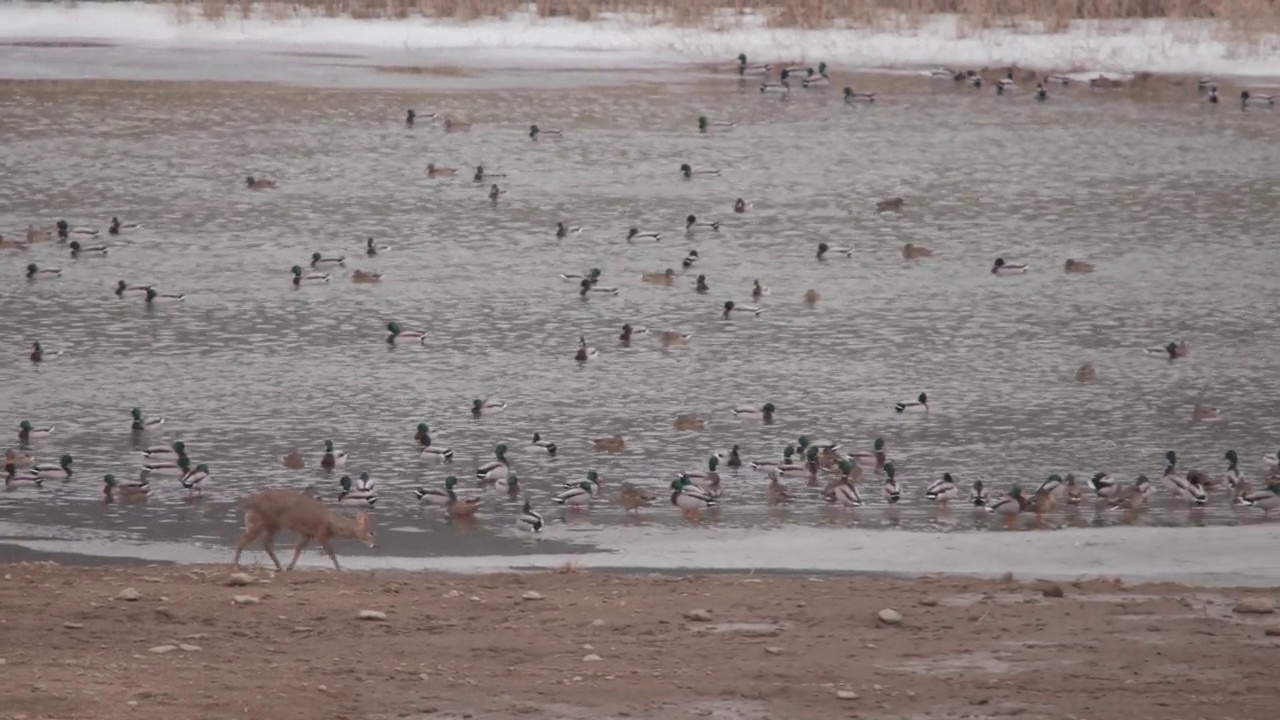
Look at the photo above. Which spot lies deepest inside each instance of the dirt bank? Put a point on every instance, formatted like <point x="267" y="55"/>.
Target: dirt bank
<point x="587" y="645"/>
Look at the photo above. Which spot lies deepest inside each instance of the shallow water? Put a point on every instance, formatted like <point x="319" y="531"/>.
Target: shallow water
<point x="1173" y="201"/>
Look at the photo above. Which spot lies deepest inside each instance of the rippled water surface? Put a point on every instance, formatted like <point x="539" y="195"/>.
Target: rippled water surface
<point x="1174" y="201"/>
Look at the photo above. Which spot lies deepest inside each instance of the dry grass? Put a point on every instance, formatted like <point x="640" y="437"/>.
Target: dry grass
<point x="1249" y="16"/>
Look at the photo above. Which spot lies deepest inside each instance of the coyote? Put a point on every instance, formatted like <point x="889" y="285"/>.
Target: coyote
<point x="271" y="511"/>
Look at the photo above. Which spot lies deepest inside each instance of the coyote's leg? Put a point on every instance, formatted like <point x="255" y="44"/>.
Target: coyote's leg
<point x="252" y="529"/>
<point x="267" y="544"/>
<point x="324" y="543"/>
<point x="297" y="549"/>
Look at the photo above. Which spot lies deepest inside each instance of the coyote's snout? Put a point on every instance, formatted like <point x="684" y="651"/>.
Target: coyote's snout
<point x="271" y="511"/>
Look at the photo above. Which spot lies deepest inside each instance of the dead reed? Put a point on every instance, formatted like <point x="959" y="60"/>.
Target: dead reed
<point x="1246" y="16"/>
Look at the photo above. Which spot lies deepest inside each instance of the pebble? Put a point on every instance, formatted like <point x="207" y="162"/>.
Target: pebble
<point x="162" y="649"/>
<point x="846" y="695"/>
<point x="597" y="623"/>
<point x="188" y="647"/>
<point x="451" y="594"/>
<point x="1273" y="631"/>
<point x="129" y="594"/>
<point x="773" y="650"/>
<point x="1255" y="606"/>
<point x="1052" y="591"/>
<point x="239" y="579"/>
<point x="72" y="625"/>
<point x="2" y="662"/>
<point x="150" y="579"/>
<point x="591" y="658"/>
<point x="698" y="615"/>
<point x="372" y="615"/>
<point x="245" y="600"/>
<point x="929" y="602"/>
<point x="889" y="616"/>
<point x="322" y="688"/>
<point x="531" y="595"/>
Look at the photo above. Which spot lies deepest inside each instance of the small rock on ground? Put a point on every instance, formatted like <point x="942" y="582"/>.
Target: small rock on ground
<point x="698" y="615"/>
<point x="889" y="616"/>
<point x="162" y="649"/>
<point x="1255" y="606"/>
<point x="239" y="579"/>
<point x="372" y="615"/>
<point x="592" y="658"/>
<point x="188" y="647"/>
<point x="129" y="594"/>
<point x="72" y="625"/>
<point x="846" y="695"/>
<point x="532" y="595"/>
<point x="773" y="650"/>
<point x="245" y="600"/>
<point x="1052" y="591"/>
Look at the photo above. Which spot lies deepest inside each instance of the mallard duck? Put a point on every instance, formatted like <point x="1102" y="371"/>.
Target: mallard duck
<point x="495" y="192"/>
<point x="671" y="337"/>
<point x="632" y="498"/>
<point x="1234" y="478"/>
<point x="355" y="496"/>
<point x="593" y="480"/>
<point x="1248" y="99"/>
<point x="434" y="171"/>
<point x="704" y="124"/>
<point x="1086" y="373"/>
<point x="911" y="251"/>
<point x="544" y="445"/>
<point x="461" y="508"/>
<point x="1073" y="492"/>
<point x="1041" y="93"/>
<point x="535" y="132"/>
<point x="659" y="278"/>
<point x="700" y="285"/>
<point x="851" y="97"/>
<point x="28" y="477"/>
<point x="18" y="459"/>
<point x="593" y="275"/>
<point x="1206" y="413"/>
<point x="496" y="469"/>
<point x="1077" y="266"/>
<point x="609" y="444"/>
<point x="1009" y="506"/>
<point x="873" y="458"/>
<point x="893" y="204"/>
<point x="1054" y="486"/>
<point x="920" y="404"/>
<point x="366" y="276"/>
<point x="575" y="497"/>
<point x="783" y="85"/>
<point x="1180" y="485"/>
<point x="1040" y="504"/>
<point x="480" y="408"/>
<point x="634" y="235"/>
<point x="941" y="491"/>
<point x="816" y="80"/>
<point x="844" y="493"/>
<point x="811" y="297"/>
<point x="745" y="70"/>
<point x="563" y="231"/>
<point x="66" y="231"/>
<point x="125" y="289"/>
<point x="320" y="262"/>
<point x="775" y="492"/>
<point x="332" y="458"/>
<point x="161" y="453"/>
<point x="689" y="259"/>
<point x="585" y="352"/>
<point x="399" y="333"/>
<point x="77" y="249"/>
<point x="589" y="289"/>
<point x="803" y="444"/>
<point x="1057" y="79"/>
<point x="39" y="354"/>
<point x="28" y="432"/>
<point x="692" y="225"/>
<point x="713" y="463"/>
<point x="1005" y="86"/>
<point x="732" y="459"/>
<point x="294" y="461"/>
<point x="1104" y="486"/>
<point x="689" y="421"/>
<point x="689" y="498"/>
<point x="259" y="183"/>
<point x="1212" y="97"/>
<point x="1171" y="351"/>
<point x="892" y="492"/>
<point x="824" y="248"/>
<point x="1133" y="497"/>
<point x="122" y="228"/>
<point x="788" y="458"/>
<point x="1007" y="268"/>
<point x="764" y="412"/>
<point x="35" y="272"/>
<point x="529" y="520"/>
<point x="166" y="468"/>
<point x="159" y="298"/>
<point x="135" y="490"/>
<point x="740" y="206"/>
<point x="732" y="310"/>
<point x="409" y="117"/>
<point x="437" y="496"/>
<point x="758" y="291"/>
<point x="628" y="331"/>
<point x="452" y="124"/>
<point x="143" y="425"/>
<point x="482" y="176"/>
<point x="689" y="173"/>
<point x="1267" y="498"/>
<point x="200" y="473"/>
<point x="309" y="278"/>
<point x="431" y="452"/>
<point x="978" y="495"/>
<point x="51" y="471"/>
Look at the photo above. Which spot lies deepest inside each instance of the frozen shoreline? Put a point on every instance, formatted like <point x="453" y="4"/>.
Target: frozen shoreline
<point x="1134" y="554"/>
<point x="528" y="42"/>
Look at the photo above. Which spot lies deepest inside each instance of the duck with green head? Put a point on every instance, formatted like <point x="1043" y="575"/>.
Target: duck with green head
<point x="941" y="491"/>
<point x="35" y="272"/>
<point x="1009" y="506"/>
<point x="113" y="489"/>
<point x="593" y="480"/>
<point x="544" y="445"/>
<point x="1183" y="486"/>
<point x="1268" y="498"/>
<point x="764" y="412"/>
<point x="431" y="452"/>
<point x="351" y="495"/>
<point x="874" y="458"/>
<point x="194" y="477"/>
<point x="28" y="432"/>
<point x="704" y="124"/>
<point x="13" y="478"/>
<point x="687" y="171"/>
<point x="77" y="250"/>
<point x="320" y="262"/>
<point x="575" y="497"/>
<point x="733" y="310"/>
<point x="892" y="491"/>
<point x="480" y="408"/>
<point x="167" y="468"/>
<point x="691" y="499"/>
<point x="332" y="458"/>
<point x="155" y="297"/>
<point x="535" y="132"/>
<point x="495" y="470"/>
<point x="816" y="80"/>
<point x="398" y="333"/>
<point x="756" y="70"/>
<point x="437" y="496"/>
<point x="314" y="278"/>
<point x="160" y="453"/>
<point x="529" y="519"/>
<point x="920" y="404"/>
<point x="124" y="289"/>
<point x="141" y="424"/>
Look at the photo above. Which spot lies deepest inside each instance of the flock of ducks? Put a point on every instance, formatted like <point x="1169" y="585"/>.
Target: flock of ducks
<point x="839" y="477"/>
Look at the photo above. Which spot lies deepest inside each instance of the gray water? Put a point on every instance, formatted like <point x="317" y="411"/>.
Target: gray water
<point x="1174" y="201"/>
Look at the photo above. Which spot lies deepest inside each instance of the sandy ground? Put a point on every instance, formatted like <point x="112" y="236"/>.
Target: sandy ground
<point x="591" y="645"/>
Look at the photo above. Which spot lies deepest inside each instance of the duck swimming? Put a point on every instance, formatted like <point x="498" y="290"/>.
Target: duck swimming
<point x="893" y="204"/>
<point x="741" y="206"/>
<point x="430" y="452"/>
<point x="758" y="291"/>
<point x="495" y="192"/>
<point x="634" y="235"/>
<point x="700" y="285"/>
<point x="480" y="408"/>
<point x="764" y="412"/>
<point x="332" y="458"/>
<point x="689" y="173"/>
<point x="433" y="171"/>
<point x="563" y="231"/>
<point x="1172" y="350"/>
<point x="587" y="288"/>
<point x="783" y="85"/>
<point x="365" y="277"/>
<point x="308" y="279"/>
<point x="1077" y="266"/>
<point x="35" y="272"/>
<point x="123" y="288"/>
<point x="259" y="183"/>
<point x="585" y="353"/>
<point x="155" y="298"/>
<point x="437" y="496"/>
<point x="824" y="248"/>
<point x="371" y="250"/>
<point x="1248" y="99"/>
<point x="119" y="228"/>
<point x="114" y="489"/>
<point x="197" y="475"/>
<point x="28" y="432"/>
<point x="66" y="232"/>
<point x="143" y="425"/>
<point x="920" y="404"/>
<point x="482" y="176"/>
<point x="691" y="224"/>
<point x="704" y="124"/>
<point x="1006" y="268"/>
<point x="399" y="333"/>
<point x="356" y="495"/>
<point x="38" y="354"/>
<point x="745" y="70"/>
<point x="1041" y="93"/>
<point x="851" y="97"/>
<point x="816" y="80"/>
<point x="535" y="132"/>
<point x="663" y="278"/>
<point x="732" y="310"/>
<point x="911" y="251"/>
<point x="544" y="445"/>
<point x="51" y="471"/>
<point x="77" y="249"/>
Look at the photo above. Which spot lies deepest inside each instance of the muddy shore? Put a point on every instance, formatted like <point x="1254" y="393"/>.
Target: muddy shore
<point x="594" y="645"/>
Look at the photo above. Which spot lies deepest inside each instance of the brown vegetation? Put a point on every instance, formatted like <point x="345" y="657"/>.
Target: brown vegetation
<point x="1045" y="15"/>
